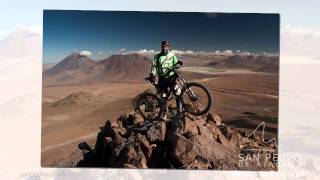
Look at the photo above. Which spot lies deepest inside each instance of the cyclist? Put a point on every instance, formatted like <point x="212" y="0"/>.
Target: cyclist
<point x="163" y="61"/>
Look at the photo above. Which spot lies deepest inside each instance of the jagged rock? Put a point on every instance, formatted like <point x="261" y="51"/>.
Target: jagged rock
<point x="131" y="154"/>
<point x="118" y="139"/>
<point x="199" y="163"/>
<point x="215" y="118"/>
<point x="190" y="127"/>
<point x="138" y="118"/>
<point x="185" y="150"/>
<point x="180" y="142"/>
<point x="156" y="132"/>
<point x="225" y="131"/>
<point x="108" y="130"/>
<point x="115" y="125"/>
<point x="145" y="146"/>
<point x="127" y="121"/>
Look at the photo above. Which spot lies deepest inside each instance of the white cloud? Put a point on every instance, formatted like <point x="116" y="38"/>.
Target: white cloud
<point x="149" y="52"/>
<point x="85" y="53"/>
<point x="141" y="51"/>
<point x="146" y="51"/>
<point x="182" y="52"/>
<point x="300" y="43"/>
<point x="228" y="52"/>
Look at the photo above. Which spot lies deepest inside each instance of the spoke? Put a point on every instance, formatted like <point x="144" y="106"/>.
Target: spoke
<point x="151" y="108"/>
<point x="196" y="99"/>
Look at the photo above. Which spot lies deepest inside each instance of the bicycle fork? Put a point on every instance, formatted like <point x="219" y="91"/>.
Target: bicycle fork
<point x="191" y="94"/>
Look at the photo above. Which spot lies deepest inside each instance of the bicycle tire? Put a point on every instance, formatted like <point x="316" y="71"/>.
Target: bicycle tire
<point x="139" y="102"/>
<point x="209" y="97"/>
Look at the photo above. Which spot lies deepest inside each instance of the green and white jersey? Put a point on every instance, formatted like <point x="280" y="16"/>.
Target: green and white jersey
<point x="160" y="65"/>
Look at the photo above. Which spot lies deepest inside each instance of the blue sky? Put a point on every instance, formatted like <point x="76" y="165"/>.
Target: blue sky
<point x="109" y="31"/>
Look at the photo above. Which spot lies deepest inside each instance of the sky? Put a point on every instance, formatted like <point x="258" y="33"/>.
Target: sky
<point x="106" y="32"/>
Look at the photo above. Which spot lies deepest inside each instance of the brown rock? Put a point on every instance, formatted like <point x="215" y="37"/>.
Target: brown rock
<point x="185" y="150"/>
<point x="156" y="132"/>
<point x="130" y="154"/>
<point x="138" y="118"/>
<point x="199" y="163"/>
<point x="192" y="142"/>
<point x="217" y="119"/>
<point x="129" y="166"/>
<point x="145" y="146"/>
<point x="118" y="139"/>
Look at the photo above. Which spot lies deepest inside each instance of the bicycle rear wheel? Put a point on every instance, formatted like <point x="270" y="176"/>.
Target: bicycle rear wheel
<point x="196" y="99"/>
<point x="149" y="107"/>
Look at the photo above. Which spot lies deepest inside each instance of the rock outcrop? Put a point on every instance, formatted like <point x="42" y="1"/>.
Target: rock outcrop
<point x="187" y="142"/>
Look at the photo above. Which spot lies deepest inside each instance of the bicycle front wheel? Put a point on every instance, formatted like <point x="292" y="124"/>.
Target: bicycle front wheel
<point x="149" y="107"/>
<point x="196" y="99"/>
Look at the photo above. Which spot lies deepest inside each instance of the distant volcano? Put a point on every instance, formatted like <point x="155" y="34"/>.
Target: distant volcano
<point x="260" y="63"/>
<point x="125" y="67"/>
<point x="116" y="68"/>
<point x="72" y="62"/>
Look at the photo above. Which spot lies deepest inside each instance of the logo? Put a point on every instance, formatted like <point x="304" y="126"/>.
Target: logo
<point x="259" y="157"/>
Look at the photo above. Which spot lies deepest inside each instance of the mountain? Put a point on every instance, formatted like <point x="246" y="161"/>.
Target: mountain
<point x="261" y="63"/>
<point x="126" y="67"/>
<point x="256" y="63"/>
<point x="75" y="61"/>
<point x="116" y="68"/>
<point x="47" y="66"/>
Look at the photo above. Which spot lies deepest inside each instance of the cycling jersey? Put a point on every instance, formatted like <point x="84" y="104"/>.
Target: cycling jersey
<point x="162" y="62"/>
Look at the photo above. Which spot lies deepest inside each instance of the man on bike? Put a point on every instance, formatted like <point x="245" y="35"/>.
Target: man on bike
<point x="162" y="62"/>
<point x="164" y="66"/>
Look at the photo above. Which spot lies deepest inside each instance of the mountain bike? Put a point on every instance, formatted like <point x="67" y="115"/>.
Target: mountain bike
<point x="194" y="98"/>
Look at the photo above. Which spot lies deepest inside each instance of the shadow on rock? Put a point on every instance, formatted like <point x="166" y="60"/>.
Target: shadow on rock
<point x="186" y="142"/>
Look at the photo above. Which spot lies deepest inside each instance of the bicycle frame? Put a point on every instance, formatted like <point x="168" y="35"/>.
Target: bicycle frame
<point x="182" y="100"/>
<point x="182" y="82"/>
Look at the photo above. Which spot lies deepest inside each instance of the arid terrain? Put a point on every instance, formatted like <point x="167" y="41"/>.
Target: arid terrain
<point x="80" y="94"/>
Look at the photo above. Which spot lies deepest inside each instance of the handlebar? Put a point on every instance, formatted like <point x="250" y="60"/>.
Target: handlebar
<point x="177" y="66"/>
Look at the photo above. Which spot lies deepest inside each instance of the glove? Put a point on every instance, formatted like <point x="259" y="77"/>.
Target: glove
<point x="152" y="77"/>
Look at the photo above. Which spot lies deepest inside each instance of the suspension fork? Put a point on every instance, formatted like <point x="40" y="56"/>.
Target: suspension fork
<point x="191" y="94"/>
<point x="189" y="91"/>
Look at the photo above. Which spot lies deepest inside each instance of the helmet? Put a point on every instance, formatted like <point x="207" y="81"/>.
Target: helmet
<point x="165" y="43"/>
